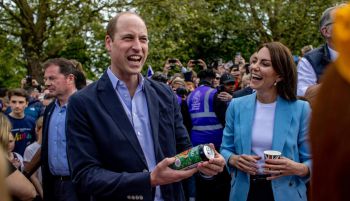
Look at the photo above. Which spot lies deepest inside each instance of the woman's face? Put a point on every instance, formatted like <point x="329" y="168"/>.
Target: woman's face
<point x="11" y="144"/>
<point x="263" y="76"/>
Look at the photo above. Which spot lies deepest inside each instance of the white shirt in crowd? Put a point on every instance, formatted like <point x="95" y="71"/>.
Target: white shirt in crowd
<point x="29" y="154"/>
<point x="307" y="75"/>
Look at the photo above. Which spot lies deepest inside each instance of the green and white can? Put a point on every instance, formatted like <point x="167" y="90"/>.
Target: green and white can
<point x="190" y="158"/>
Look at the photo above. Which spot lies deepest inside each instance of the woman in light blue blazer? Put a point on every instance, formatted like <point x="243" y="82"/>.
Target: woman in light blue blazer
<point x="270" y="119"/>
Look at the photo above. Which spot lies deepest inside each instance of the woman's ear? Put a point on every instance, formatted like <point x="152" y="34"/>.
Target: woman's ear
<point x="279" y="78"/>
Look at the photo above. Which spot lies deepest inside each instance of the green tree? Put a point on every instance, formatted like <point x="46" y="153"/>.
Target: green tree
<point x="33" y="31"/>
<point x="209" y="29"/>
<point x="42" y="29"/>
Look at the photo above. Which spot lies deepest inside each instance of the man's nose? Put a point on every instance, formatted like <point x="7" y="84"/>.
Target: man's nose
<point x="47" y="82"/>
<point x="136" y="45"/>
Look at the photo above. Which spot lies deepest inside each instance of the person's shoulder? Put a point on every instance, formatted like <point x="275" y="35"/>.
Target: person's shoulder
<point x="86" y="92"/>
<point x="158" y="86"/>
<point x="302" y="103"/>
<point x="299" y="105"/>
<point x="243" y="99"/>
<point x="242" y="92"/>
<point x="315" y="54"/>
<point x="29" y="118"/>
<point x="316" y="50"/>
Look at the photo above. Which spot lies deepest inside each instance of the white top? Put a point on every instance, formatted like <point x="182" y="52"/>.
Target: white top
<point x="29" y="154"/>
<point x="262" y="131"/>
<point x="307" y="75"/>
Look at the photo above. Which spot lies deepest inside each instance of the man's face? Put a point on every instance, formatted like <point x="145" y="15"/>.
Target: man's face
<point x="230" y="87"/>
<point x="56" y="82"/>
<point x="18" y="104"/>
<point x="129" y="48"/>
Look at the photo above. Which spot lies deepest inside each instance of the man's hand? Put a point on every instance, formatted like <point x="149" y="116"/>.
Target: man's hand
<point x="224" y="96"/>
<point x="214" y="165"/>
<point x="163" y="174"/>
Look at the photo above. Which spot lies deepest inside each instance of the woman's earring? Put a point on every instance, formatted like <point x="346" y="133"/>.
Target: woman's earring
<point x="275" y="84"/>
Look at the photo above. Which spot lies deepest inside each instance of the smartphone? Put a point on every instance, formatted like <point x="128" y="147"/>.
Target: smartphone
<point x="29" y="80"/>
<point x="195" y="62"/>
<point x="172" y="60"/>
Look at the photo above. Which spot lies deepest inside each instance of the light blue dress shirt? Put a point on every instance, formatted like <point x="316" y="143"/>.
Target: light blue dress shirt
<point x="58" y="162"/>
<point x="137" y="110"/>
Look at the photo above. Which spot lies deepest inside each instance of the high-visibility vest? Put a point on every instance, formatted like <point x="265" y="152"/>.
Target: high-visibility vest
<point x="206" y="126"/>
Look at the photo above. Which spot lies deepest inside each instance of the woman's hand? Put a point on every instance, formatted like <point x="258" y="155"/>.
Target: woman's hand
<point x="284" y="167"/>
<point x="245" y="163"/>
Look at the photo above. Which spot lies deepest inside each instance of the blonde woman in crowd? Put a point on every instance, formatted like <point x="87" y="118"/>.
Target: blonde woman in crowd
<point x="3" y="173"/>
<point x="19" y="187"/>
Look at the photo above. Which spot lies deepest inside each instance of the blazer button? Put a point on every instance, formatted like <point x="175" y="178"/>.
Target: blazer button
<point x="128" y="197"/>
<point x="133" y="197"/>
<point x="290" y="183"/>
<point x="141" y="197"/>
<point x="137" y="197"/>
<point x="145" y="170"/>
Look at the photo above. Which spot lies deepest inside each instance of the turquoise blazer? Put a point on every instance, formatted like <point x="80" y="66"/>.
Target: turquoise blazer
<point x="290" y="137"/>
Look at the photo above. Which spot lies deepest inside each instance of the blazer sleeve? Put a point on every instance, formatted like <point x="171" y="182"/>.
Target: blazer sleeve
<point x="87" y="171"/>
<point x="227" y="146"/>
<point x="303" y="138"/>
<point x="182" y="138"/>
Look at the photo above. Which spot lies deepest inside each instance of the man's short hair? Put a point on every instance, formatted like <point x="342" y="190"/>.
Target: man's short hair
<point x="206" y="74"/>
<point x="18" y="92"/>
<point x="326" y="18"/>
<point x="112" y="24"/>
<point x="68" y="67"/>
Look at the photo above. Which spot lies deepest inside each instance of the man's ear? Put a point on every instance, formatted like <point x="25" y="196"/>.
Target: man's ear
<point x="326" y="32"/>
<point x="71" y="78"/>
<point x="108" y="43"/>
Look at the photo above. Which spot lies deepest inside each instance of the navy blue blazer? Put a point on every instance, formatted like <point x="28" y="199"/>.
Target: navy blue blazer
<point x="104" y="154"/>
<point x="48" y="187"/>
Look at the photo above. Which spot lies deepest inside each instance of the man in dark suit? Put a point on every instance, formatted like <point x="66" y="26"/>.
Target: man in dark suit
<point x="61" y="79"/>
<point x="123" y="128"/>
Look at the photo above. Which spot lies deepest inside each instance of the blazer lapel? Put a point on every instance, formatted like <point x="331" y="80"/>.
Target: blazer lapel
<point x="153" y="111"/>
<point x="108" y="97"/>
<point x="282" y="124"/>
<point x="247" y="115"/>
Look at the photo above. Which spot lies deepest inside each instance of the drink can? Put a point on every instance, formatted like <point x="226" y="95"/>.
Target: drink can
<point x="191" y="157"/>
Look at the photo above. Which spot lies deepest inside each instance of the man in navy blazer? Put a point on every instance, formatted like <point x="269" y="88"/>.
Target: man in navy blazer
<point x="123" y="129"/>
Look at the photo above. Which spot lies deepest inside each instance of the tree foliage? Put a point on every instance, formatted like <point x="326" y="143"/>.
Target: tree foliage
<point x="33" y="31"/>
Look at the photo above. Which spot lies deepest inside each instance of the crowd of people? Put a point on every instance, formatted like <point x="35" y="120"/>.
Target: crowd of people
<point x="115" y="139"/>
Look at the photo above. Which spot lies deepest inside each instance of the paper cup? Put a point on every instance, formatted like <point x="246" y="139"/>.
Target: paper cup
<point x="271" y="154"/>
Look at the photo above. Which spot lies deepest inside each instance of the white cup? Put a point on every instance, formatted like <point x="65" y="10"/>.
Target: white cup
<point x="272" y="154"/>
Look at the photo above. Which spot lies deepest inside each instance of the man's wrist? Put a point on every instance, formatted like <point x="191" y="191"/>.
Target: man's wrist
<point x="153" y="180"/>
